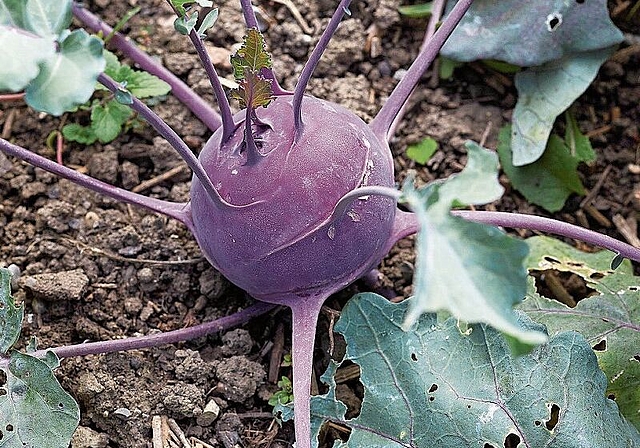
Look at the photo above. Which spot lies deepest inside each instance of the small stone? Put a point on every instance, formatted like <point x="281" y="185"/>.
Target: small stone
<point x="85" y="437"/>
<point x="65" y="285"/>
<point x="209" y="414"/>
<point x="122" y="413"/>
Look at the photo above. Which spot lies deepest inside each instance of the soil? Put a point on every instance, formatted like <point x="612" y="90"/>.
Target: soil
<point x="94" y="269"/>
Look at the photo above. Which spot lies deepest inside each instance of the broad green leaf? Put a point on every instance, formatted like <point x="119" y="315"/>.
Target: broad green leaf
<point x="21" y="65"/>
<point x="69" y="78"/>
<point x="437" y="387"/>
<point x="529" y="33"/>
<point x="548" y="181"/>
<point x="35" y="412"/>
<point x="252" y="55"/>
<point x="46" y="17"/>
<point x="422" y="151"/>
<point x="12" y="13"/>
<point x="578" y="143"/>
<point x="10" y="315"/>
<point x="471" y="270"/>
<point x="107" y="120"/>
<point x="416" y="11"/>
<point x="544" y="92"/>
<point x="77" y="133"/>
<point x="609" y="319"/>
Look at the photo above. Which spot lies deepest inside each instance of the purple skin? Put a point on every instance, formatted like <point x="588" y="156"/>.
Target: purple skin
<point x="311" y="213"/>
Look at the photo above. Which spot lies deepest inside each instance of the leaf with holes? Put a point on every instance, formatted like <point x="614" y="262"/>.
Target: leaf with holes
<point x="10" y="314"/>
<point x="450" y="389"/>
<point x="35" y="412"/>
<point x="609" y="319"/>
<point x="474" y="271"/>
<point x="527" y="33"/>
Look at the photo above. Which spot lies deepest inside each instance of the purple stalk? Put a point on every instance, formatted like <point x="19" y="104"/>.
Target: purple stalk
<point x="174" y="140"/>
<point x="155" y="340"/>
<point x="407" y="224"/>
<point x="311" y="64"/>
<point x="383" y="121"/>
<point x="228" y="125"/>
<point x="174" y="210"/>
<point x="188" y="97"/>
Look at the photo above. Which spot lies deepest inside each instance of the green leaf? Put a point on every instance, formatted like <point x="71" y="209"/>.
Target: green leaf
<point x="608" y="319"/>
<point x="16" y="72"/>
<point x="522" y="32"/>
<point x="545" y="92"/>
<point x="547" y="182"/>
<point x="252" y="56"/>
<point x="46" y="17"/>
<point x="417" y="11"/>
<point x="145" y="85"/>
<point x="10" y="315"/>
<point x="107" y="120"/>
<point x="447" y="67"/>
<point x="437" y="387"/>
<point x="578" y="143"/>
<point x="185" y="24"/>
<point x="77" y="133"/>
<point x="69" y="78"/>
<point x="181" y="5"/>
<point x="35" y="412"/>
<point x="501" y="66"/>
<point x="208" y="22"/>
<point x="471" y="270"/>
<point x="423" y="151"/>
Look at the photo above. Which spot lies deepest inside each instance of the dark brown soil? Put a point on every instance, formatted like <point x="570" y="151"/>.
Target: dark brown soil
<point x="115" y="270"/>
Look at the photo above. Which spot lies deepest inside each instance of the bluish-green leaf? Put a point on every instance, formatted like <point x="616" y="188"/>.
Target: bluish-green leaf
<point x="10" y="315"/>
<point x="608" y="319"/>
<point x="548" y="181"/>
<point x="545" y="92"/>
<point x="47" y="17"/>
<point x="474" y="271"/>
<point x="21" y="58"/>
<point x="69" y="78"/>
<point x="35" y="412"/>
<point x="208" y="22"/>
<point x="522" y="32"/>
<point x="437" y="387"/>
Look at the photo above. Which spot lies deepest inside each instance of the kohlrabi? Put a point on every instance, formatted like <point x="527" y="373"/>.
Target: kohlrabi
<point x="292" y="197"/>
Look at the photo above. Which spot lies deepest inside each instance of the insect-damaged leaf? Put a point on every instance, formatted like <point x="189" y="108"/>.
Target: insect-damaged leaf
<point x="35" y="412"/>
<point x="447" y="389"/>
<point x="252" y="55"/>
<point x="474" y="271"/>
<point x="609" y="318"/>
<point x="10" y="314"/>
<point x="254" y="91"/>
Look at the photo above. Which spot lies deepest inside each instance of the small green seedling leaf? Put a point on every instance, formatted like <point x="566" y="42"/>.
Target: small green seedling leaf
<point x="107" y="120"/>
<point x="10" y="315"/>
<point x="208" y="22"/>
<point x="544" y="92"/>
<point x="139" y="83"/>
<point x="423" y="151"/>
<point x="446" y="67"/>
<point x="252" y="55"/>
<point x="417" y="11"/>
<point x="548" y="181"/>
<point x="501" y="66"/>
<point x="77" y="133"/>
<point x="471" y="270"/>
<point x="578" y="143"/>
<point x="35" y="412"/>
<point x="608" y="318"/>
<point x="450" y="389"/>
<point x="68" y="79"/>
<point x="284" y="395"/>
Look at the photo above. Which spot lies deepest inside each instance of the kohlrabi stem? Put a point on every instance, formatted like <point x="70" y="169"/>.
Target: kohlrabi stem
<point x="437" y="8"/>
<point x="249" y="14"/>
<point x="372" y="190"/>
<point x="407" y="224"/>
<point x="155" y="340"/>
<point x="311" y="64"/>
<point x="171" y="209"/>
<point x="253" y="155"/>
<point x="385" y="117"/>
<point x="305" y="312"/>
<point x="228" y="125"/>
<point x="174" y="140"/>
<point x="201" y="109"/>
